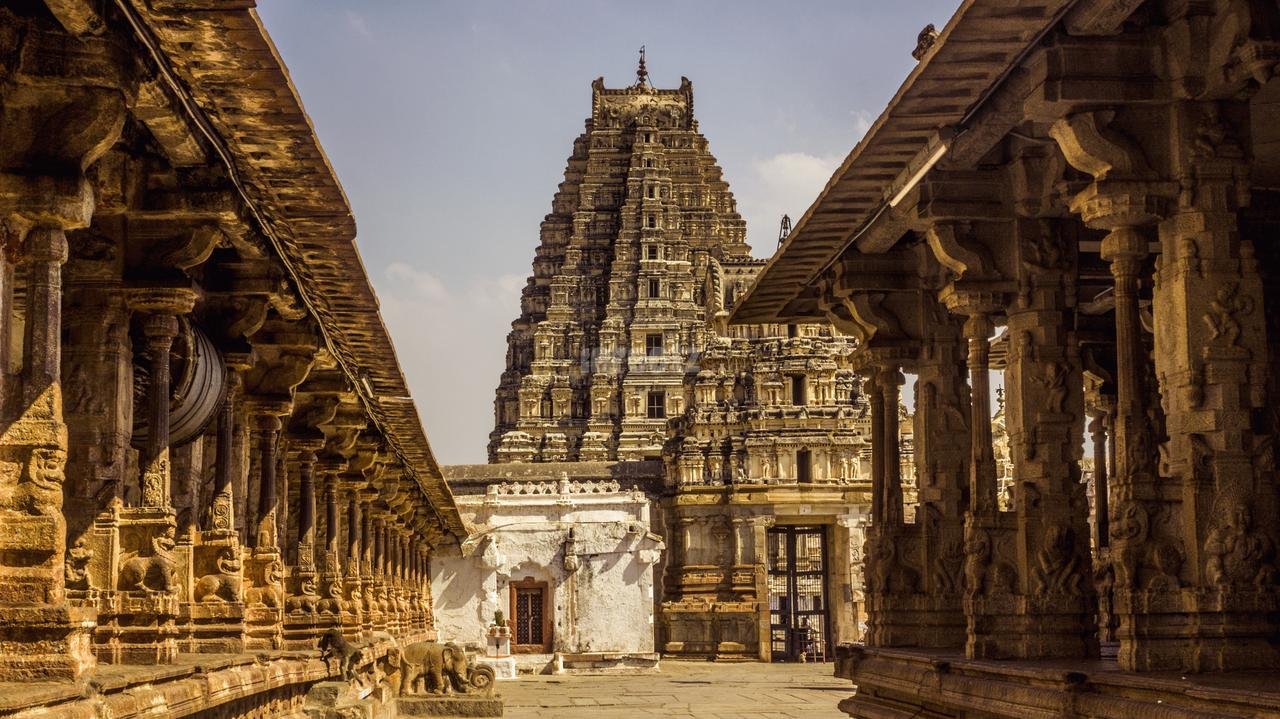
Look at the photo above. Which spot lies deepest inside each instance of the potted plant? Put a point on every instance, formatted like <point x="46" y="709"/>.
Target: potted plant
<point x="499" y="627"/>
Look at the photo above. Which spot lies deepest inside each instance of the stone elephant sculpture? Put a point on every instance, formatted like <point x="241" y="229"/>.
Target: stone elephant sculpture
<point x="438" y="668"/>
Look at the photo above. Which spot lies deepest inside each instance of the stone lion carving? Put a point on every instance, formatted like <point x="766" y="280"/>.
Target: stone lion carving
<point x="268" y="593"/>
<point x="39" y="490"/>
<point x="224" y="585"/>
<point x="154" y="572"/>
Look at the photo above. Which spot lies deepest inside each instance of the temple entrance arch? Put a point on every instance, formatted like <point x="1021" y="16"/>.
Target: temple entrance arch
<point x="799" y="620"/>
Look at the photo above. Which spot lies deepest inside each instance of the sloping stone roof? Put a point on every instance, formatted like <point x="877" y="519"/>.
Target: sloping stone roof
<point x="220" y="53"/>
<point x="970" y="57"/>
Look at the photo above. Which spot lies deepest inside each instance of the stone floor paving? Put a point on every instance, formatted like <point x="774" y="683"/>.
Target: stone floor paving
<point x="683" y="689"/>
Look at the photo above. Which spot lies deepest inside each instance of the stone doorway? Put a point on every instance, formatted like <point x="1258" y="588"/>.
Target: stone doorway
<point x="799" y="623"/>
<point x="531" y="617"/>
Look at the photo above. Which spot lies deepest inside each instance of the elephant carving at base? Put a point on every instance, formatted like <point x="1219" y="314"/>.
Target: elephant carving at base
<point x="438" y="668"/>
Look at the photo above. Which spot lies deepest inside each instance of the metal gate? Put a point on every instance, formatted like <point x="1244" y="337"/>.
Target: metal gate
<point x="799" y="622"/>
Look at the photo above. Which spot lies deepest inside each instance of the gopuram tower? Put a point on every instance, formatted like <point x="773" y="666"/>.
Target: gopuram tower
<point x="627" y="282"/>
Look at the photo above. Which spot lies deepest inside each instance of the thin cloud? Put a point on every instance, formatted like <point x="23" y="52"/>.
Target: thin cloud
<point x="356" y="22"/>
<point x="451" y="340"/>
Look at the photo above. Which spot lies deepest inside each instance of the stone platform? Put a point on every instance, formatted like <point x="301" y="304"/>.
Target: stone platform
<point x="608" y="663"/>
<point x="895" y="684"/>
<point x="503" y="667"/>
<point x="449" y="706"/>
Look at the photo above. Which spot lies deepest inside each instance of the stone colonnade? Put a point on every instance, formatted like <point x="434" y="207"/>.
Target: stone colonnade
<point x="1119" y="250"/>
<point x="189" y="460"/>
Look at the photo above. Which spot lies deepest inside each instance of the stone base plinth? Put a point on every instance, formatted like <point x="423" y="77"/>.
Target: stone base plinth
<point x="49" y="643"/>
<point x="609" y="663"/>
<point x="895" y="683"/>
<point x="449" y="706"/>
<point x="341" y="700"/>
<point x="503" y="667"/>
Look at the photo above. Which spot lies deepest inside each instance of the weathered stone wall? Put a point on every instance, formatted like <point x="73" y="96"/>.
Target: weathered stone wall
<point x="588" y="539"/>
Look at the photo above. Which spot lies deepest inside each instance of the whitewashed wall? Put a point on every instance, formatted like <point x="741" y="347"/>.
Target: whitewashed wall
<point x="520" y="531"/>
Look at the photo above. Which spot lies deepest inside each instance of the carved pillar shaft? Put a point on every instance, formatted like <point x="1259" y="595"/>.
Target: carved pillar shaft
<point x="306" y="510"/>
<point x="1125" y="249"/>
<point x="42" y="347"/>
<point x="982" y="465"/>
<point x="222" y="504"/>
<point x="160" y="330"/>
<point x="890" y="383"/>
<point x="878" y="453"/>
<point x="353" y="534"/>
<point x="330" y="524"/>
<point x="268" y="431"/>
<point x="1101" y="501"/>
<point x="366" y="539"/>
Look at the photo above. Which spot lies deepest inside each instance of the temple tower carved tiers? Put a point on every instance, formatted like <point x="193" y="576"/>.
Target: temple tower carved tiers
<point x="622" y="358"/>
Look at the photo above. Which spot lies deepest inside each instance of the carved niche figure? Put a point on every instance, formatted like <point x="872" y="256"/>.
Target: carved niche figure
<point x="945" y="577"/>
<point x="76" y="570"/>
<point x="889" y="575"/>
<point x="223" y="585"/>
<point x="154" y="572"/>
<point x="1225" y="311"/>
<point x="1238" y="554"/>
<point x="1128" y="531"/>
<point x="1057" y="562"/>
<point x="977" y="555"/>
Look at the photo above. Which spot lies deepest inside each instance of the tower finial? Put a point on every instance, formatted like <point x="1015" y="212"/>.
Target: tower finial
<point x="642" y="73"/>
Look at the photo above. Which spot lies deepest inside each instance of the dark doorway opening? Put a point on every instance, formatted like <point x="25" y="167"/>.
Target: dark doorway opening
<point x="799" y="622"/>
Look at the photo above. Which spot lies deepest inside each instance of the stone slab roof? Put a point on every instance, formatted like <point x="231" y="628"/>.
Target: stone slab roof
<point x="220" y="55"/>
<point x="969" y="59"/>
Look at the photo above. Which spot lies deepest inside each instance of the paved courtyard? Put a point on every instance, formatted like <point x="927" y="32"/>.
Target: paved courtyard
<point x="683" y="689"/>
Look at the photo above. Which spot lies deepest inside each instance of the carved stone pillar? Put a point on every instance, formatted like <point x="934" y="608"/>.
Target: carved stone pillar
<point x="45" y="638"/>
<point x="1044" y="415"/>
<point x="1212" y="362"/>
<point x="889" y="383"/>
<point x="1101" y="502"/>
<point x="935" y="617"/>
<point x="331" y="599"/>
<point x="215" y="608"/>
<point x="138" y="612"/>
<point x="368" y="593"/>
<point x="353" y="594"/>
<point x="303" y="622"/>
<point x="381" y="610"/>
<point x="264" y="571"/>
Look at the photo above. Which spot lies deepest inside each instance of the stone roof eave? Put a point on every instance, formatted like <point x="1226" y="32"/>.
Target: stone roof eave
<point x="964" y="66"/>
<point x="220" y="57"/>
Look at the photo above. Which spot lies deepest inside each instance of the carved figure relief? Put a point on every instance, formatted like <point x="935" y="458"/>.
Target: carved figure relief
<point x="1057" y="563"/>
<point x="39" y="489"/>
<point x="224" y="585"/>
<point x="76" y="570"/>
<point x="1238" y="555"/>
<point x="153" y="572"/>
<point x="977" y="555"/>
<point x="1225" y="312"/>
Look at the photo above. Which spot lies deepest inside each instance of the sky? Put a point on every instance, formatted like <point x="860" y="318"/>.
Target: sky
<point x="449" y="124"/>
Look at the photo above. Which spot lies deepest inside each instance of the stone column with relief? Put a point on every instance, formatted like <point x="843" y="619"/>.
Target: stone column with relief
<point x="264" y="564"/>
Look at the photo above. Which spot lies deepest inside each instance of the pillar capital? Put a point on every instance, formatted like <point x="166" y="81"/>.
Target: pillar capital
<point x="162" y="300"/>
